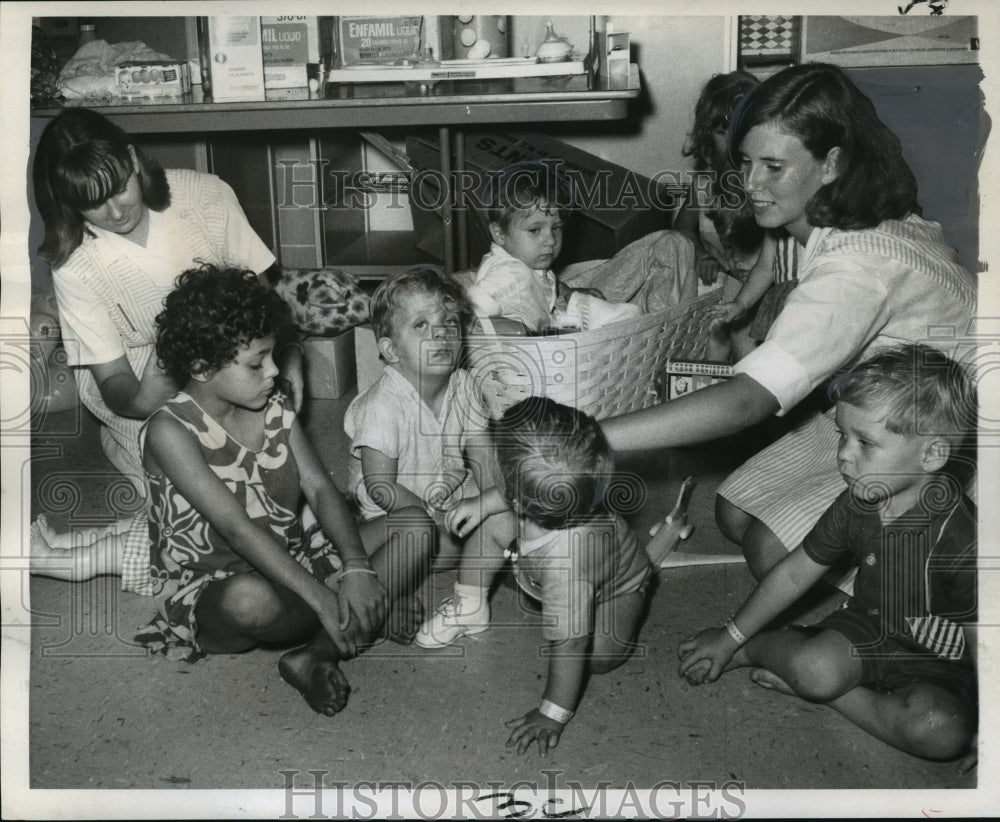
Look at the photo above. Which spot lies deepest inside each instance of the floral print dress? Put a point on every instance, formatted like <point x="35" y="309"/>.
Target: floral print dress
<point x="186" y="553"/>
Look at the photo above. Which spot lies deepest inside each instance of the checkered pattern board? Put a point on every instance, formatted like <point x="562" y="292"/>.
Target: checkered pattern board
<point x="767" y="36"/>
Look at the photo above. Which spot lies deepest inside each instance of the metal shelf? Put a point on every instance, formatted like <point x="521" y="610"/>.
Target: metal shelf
<point x="374" y="105"/>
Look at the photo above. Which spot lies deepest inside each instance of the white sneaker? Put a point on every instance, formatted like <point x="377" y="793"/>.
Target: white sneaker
<point x="448" y="624"/>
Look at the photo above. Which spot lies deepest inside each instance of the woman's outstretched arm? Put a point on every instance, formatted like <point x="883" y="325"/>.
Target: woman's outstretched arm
<point x="714" y="411"/>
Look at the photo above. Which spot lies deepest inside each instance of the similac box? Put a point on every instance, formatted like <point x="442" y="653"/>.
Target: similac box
<point x="232" y="64"/>
<point x="288" y="43"/>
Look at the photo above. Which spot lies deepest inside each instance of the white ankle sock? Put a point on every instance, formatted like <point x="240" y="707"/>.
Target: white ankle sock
<point x="472" y="596"/>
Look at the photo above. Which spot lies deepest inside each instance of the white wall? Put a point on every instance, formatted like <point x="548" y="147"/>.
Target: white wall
<point x="676" y="57"/>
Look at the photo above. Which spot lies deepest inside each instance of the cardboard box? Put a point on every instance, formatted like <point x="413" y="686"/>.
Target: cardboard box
<point x="618" y="206"/>
<point x="232" y="63"/>
<point x="287" y="44"/>
<point x="367" y="360"/>
<point x="152" y="79"/>
<point x="329" y="365"/>
<point x="364" y="40"/>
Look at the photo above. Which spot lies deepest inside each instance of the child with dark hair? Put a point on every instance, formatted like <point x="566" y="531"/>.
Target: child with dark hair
<point x="526" y="207"/>
<point x="714" y="224"/>
<point x="418" y="449"/>
<point x="580" y="560"/>
<point x="761" y="264"/>
<point x="227" y="464"/>
<point x="899" y="658"/>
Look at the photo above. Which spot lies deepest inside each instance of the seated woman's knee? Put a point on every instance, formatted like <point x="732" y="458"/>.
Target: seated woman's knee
<point x="731" y="520"/>
<point x="761" y="548"/>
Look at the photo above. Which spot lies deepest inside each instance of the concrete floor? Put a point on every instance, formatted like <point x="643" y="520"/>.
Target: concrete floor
<point x="103" y="715"/>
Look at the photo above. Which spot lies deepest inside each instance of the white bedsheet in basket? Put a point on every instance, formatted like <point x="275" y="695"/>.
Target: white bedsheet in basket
<point x="604" y="372"/>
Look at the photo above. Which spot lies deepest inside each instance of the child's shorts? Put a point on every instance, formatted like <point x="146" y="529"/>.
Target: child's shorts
<point x="886" y="665"/>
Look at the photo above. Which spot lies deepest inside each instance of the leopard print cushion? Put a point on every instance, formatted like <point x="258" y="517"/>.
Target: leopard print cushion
<point x="324" y="302"/>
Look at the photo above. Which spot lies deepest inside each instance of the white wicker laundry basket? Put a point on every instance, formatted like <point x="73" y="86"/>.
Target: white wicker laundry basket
<point x="604" y="372"/>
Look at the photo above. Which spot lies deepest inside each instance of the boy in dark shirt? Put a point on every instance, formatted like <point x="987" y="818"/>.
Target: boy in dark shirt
<point x="898" y="659"/>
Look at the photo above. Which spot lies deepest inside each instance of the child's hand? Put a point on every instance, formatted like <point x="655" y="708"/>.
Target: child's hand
<point x="328" y="612"/>
<point x="534" y="726"/>
<point x="363" y="595"/>
<point x="465" y="517"/>
<point x="724" y="313"/>
<point x="707" y="269"/>
<point x="704" y="656"/>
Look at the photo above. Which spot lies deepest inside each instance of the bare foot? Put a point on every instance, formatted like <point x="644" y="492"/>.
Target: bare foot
<point x="404" y="619"/>
<point x="318" y="678"/>
<point x="773" y="682"/>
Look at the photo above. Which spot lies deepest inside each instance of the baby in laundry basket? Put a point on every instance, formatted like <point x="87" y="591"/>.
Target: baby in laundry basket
<point x="526" y="207"/>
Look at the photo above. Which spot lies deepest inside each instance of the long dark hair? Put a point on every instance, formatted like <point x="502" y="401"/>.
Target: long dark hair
<point x="712" y="115"/>
<point x="820" y="105"/>
<point x="83" y="159"/>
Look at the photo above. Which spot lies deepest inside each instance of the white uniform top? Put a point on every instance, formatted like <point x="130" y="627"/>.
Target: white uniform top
<point x="860" y="291"/>
<point x="111" y="289"/>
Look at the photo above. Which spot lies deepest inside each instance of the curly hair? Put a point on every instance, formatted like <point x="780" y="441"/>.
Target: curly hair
<point x="713" y="114"/>
<point x="424" y="279"/>
<point x="819" y="104"/>
<point x="525" y="185"/>
<point x="82" y="159"/>
<point x="213" y="312"/>
<point x="553" y="462"/>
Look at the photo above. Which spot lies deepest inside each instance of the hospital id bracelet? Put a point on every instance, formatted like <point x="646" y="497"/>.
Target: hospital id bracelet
<point x="738" y="636"/>
<point x="555" y="712"/>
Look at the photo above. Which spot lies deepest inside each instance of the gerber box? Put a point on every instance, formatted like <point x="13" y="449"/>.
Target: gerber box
<point x="617" y="205"/>
<point x="151" y="79"/>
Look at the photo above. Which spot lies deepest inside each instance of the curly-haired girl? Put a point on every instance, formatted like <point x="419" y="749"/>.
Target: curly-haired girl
<point x="227" y="463"/>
